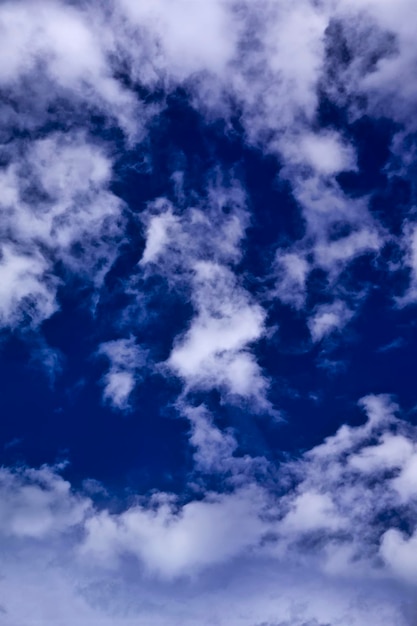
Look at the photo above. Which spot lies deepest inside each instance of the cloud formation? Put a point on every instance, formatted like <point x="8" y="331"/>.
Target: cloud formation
<point x="184" y="278"/>
<point x="335" y="524"/>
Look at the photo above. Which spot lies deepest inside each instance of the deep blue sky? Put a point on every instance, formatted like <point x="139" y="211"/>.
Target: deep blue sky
<point x="147" y="445"/>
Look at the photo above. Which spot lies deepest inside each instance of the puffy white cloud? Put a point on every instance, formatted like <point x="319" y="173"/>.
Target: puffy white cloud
<point x="195" y="250"/>
<point x="387" y="37"/>
<point x="214" y="352"/>
<point x="67" y="46"/>
<point x="332" y="255"/>
<point x="172" y="543"/>
<point x="329" y="318"/>
<point x="182" y="38"/>
<point x="409" y="246"/>
<point x="311" y="511"/>
<point x="318" y="545"/>
<point x="26" y="288"/>
<point x="326" y="154"/>
<point x="55" y="207"/>
<point x="211" y="229"/>
<point x="348" y="485"/>
<point x="38" y="504"/>
<point x="398" y="552"/>
<point x="127" y="359"/>
<point x="216" y="449"/>
<point x="160" y="230"/>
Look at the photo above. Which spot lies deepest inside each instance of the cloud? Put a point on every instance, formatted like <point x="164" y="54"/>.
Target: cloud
<point x="291" y="270"/>
<point x="127" y="359"/>
<point x="56" y="209"/>
<point x="171" y="544"/>
<point x="216" y="450"/>
<point x="398" y="551"/>
<point x="196" y="250"/>
<point x="38" y="504"/>
<point x="318" y="544"/>
<point x="350" y="484"/>
<point x="329" y="318"/>
<point x="214" y="352"/>
<point x="161" y="229"/>
<point x="210" y="228"/>
<point x="181" y="40"/>
<point x="68" y="49"/>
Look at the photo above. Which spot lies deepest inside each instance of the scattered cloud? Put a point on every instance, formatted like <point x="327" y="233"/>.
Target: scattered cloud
<point x="126" y="360"/>
<point x="331" y="530"/>
<point x="325" y="538"/>
<point x="329" y="318"/>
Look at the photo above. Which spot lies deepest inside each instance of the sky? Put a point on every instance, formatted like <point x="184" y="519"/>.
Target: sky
<point x="208" y="289"/>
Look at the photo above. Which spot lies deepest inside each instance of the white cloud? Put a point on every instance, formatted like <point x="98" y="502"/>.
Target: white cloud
<point x="160" y="230"/>
<point x="127" y="359"/>
<point x="195" y="251"/>
<point x="26" y="289"/>
<point x="332" y="255"/>
<point x="325" y="153"/>
<point x="329" y="318"/>
<point x="292" y="271"/>
<point x="311" y="511"/>
<point x="391" y="453"/>
<point x="323" y="551"/>
<point x="348" y="485"/>
<point x="211" y="229"/>
<point x="68" y="46"/>
<point x="398" y="552"/>
<point x="184" y="37"/>
<point x="216" y="449"/>
<point x="174" y="544"/>
<point x="37" y="504"/>
<point x="409" y="245"/>
<point x="55" y="207"/>
<point x="214" y="352"/>
<point x="388" y="36"/>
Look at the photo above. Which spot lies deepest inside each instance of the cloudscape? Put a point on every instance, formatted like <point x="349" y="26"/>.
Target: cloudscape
<point x="208" y="290"/>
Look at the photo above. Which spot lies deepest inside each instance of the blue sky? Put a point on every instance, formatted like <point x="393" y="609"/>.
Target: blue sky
<point x="208" y="287"/>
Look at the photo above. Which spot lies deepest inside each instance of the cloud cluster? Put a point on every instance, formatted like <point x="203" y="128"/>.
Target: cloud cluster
<point x="327" y="538"/>
<point x="327" y="520"/>
<point x="56" y="210"/>
<point x="196" y="250"/>
<point x="228" y="57"/>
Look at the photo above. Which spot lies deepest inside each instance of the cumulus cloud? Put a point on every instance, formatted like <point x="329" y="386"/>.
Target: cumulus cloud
<point x="67" y="48"/>
<point x="56" y="208"/>
<point x="196" y="251"/>
<point x="171" y="544"/>
<point x="214" y="352"/>
<point x="326" y="548"/>
<point x="38" y="504"/>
